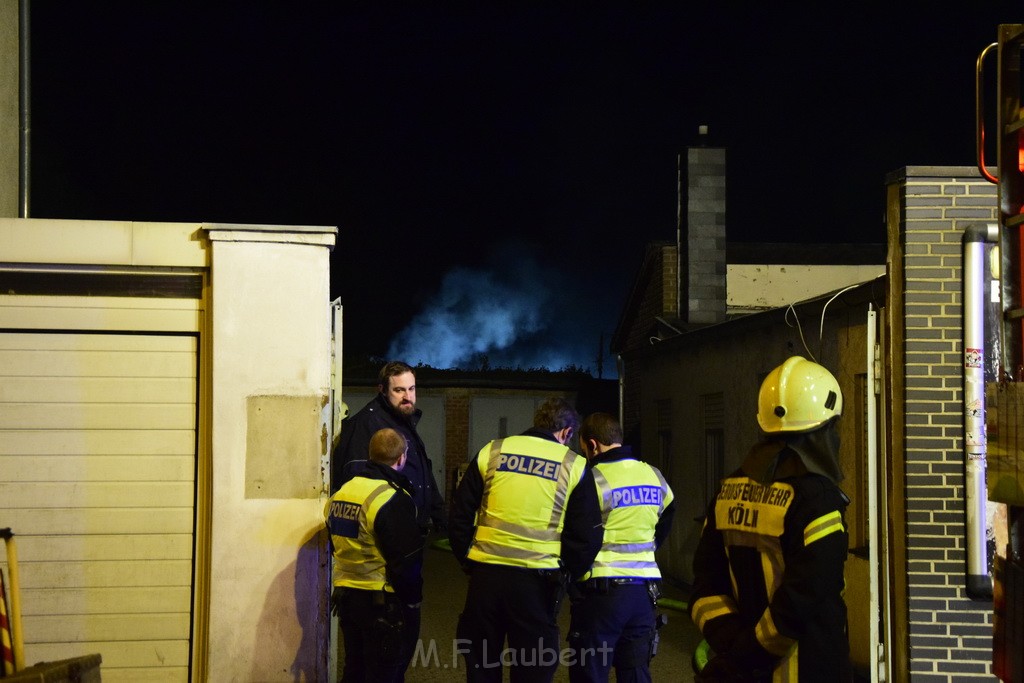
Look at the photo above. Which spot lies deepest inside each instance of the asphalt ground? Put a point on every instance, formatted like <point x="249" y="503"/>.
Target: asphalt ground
<point x="445" y="592"/>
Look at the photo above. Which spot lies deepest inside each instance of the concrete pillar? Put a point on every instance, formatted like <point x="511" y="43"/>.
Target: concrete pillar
<point x="271" y="372"/>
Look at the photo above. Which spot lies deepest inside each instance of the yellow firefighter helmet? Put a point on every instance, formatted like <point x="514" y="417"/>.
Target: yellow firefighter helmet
<point x="798" y="396"/>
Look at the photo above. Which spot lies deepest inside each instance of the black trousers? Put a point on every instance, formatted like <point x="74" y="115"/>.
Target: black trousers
<point x="520" y="605"/>
<point x="379" y="635"/>
<point x="615" y="627"/>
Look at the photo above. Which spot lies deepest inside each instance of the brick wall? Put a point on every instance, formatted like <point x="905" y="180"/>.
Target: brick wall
<point x="456" y="435"/>
<point x="949" y="635"/>
<point x="657" y="300"/>
<point x="669" y="282"/>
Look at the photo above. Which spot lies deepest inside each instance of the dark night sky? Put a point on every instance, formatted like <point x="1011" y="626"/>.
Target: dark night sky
<point x="518" y="154"/>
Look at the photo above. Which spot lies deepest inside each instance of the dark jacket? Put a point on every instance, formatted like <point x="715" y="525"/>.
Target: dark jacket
<point x="354" y="447"/>
<point x="583" y="534"/>
<point x="398" y="535"/>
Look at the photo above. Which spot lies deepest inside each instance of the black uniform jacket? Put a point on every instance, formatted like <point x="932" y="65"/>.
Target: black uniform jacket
<point x="354" y="448"/>
<point x="583" y="533"/>
<point x="398" y="535"/>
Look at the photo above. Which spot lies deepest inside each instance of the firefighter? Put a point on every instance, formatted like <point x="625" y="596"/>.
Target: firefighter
<point x="377" y="545"/>
<point x="505" y="528"/>
<point x="768" y="570"/>
<point x="613" y="620"/>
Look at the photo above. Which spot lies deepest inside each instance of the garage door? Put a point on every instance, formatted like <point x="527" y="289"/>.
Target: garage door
<point x="97" y="481"/>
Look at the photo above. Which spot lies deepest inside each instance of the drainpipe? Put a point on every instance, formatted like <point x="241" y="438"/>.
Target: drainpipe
<point x="975" y="239"/>
<point x="24" y="106"/>
<point x="680" y="309"/>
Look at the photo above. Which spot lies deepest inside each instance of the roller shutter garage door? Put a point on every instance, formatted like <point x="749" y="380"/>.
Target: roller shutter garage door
<point x="97" y="481"/>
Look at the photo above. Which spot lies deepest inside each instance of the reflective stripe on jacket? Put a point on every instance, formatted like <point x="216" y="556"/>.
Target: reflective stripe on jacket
<point x="633" y="495"/>
<point x="527" y="481"/>
<point x="350" y="515"/>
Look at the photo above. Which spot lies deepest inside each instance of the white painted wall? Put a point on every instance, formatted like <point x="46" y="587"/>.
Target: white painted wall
<point x="752" y="287"/>
<point x="487" y="413"/>
<point x="271" y="374"/>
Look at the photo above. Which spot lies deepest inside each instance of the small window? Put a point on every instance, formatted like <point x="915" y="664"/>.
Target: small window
<point x="665" y="453"/>
<point x="713" y="465"/>
<point x="664" y="408"/>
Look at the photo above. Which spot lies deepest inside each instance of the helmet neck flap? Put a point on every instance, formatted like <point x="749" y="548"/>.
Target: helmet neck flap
<point x="787" y="455"/>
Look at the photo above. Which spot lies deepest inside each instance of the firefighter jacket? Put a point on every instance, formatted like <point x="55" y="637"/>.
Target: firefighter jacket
<point x="510" y="506"/>
<point x="376" y="541"/>
<point x="768" y="574"/>
<point x="354" y="448"/>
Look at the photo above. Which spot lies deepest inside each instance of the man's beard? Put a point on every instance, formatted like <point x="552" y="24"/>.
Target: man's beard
<point x="406" y="409"/>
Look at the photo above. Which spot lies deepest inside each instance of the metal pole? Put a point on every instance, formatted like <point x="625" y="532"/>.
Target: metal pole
<point x="978" y="579"/>
<point x="874" y="520"/>
<point x="17" y="639"/>
<point x="24" y="107"/>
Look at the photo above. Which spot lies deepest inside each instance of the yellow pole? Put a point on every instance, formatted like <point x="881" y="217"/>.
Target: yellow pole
<point x="12" y="572"/>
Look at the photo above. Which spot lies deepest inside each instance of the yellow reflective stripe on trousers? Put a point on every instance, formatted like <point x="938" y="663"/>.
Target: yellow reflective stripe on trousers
<point x="823" y="526"/>
<point x="712" y="607"/>
<point x="770" y="638"/>
<point x="788" y="669"/>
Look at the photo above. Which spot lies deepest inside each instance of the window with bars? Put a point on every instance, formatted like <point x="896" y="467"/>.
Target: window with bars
<point x="713" y="422"/>
<point x="664" y="409"/>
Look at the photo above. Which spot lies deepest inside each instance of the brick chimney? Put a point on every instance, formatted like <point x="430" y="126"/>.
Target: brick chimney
<point x="702" y="236"/>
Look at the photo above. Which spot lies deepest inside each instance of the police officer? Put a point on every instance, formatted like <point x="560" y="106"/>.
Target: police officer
<point x="768" y="570"/>
<point x="377" y="545"/>
<point x="505" y="528"/>
<point x="615" y="593"/>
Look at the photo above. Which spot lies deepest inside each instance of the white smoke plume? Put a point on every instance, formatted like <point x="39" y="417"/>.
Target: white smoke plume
<point x="517" y="316"/>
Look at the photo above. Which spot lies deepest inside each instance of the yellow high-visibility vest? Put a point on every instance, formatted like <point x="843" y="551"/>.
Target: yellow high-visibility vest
<point x="633" y="495"/>
<point x="527" y="481"/>
<point x="350" y="515"/>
